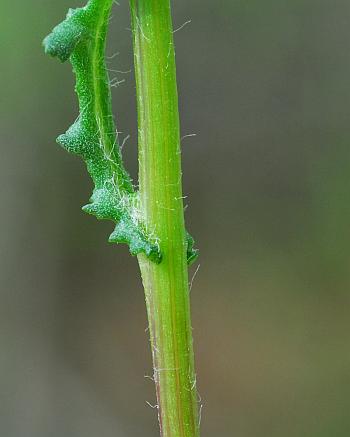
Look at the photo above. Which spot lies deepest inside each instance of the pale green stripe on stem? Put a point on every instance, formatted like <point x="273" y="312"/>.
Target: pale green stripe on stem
<point x="166" y="284"/>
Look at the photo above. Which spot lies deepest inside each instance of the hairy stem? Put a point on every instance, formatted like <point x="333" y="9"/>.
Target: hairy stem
<point x="166" y="284"/>
<point x="150" y="221"/>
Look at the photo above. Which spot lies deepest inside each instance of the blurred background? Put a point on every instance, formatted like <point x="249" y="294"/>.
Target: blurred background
<point x="265" y="88"/>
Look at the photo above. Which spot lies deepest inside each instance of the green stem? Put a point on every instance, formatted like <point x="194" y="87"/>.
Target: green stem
<point x="166" y="284"/>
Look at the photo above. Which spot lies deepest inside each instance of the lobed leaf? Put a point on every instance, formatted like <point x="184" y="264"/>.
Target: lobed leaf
<point x="81" y="38"/>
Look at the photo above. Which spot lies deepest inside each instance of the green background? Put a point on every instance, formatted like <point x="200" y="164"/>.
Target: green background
<point x="265" y="86"/>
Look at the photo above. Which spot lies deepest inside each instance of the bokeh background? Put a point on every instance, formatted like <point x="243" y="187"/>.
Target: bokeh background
<point x="265" y="87"/>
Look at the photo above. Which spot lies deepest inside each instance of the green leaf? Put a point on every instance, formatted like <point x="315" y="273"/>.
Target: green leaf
<point x="81" y="37"/>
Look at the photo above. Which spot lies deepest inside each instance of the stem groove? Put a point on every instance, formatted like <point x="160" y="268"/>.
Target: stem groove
<point x="166" y="284"/>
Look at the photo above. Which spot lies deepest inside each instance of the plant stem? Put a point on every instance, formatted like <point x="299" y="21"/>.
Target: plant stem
<point x="166" y="284"/>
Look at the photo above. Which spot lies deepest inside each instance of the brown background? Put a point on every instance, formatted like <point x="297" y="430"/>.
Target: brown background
<point x="265" y="86"/>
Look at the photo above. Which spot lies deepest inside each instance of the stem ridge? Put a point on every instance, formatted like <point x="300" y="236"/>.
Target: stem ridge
<point x="166" y="285"/>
